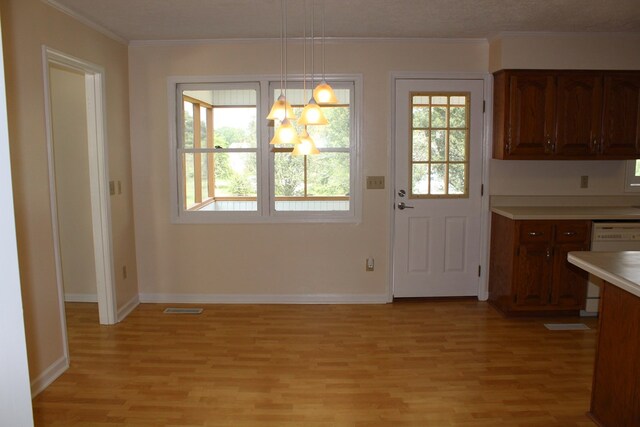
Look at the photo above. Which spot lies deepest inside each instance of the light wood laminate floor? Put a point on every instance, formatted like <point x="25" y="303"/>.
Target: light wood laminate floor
<point x="416" y="363"/>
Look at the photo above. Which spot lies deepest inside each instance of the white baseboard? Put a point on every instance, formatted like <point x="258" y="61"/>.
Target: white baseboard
<point x="265" y="299"/>
<point x="49" y="375"/>
<point x="126" y="309"/>
<point x="80" y="297"/>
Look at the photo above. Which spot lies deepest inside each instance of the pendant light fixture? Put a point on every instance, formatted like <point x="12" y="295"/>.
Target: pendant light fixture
<point x="281" y="108"/>
<point x="323" y="93"/>
<point x="307" y="146"/>
<point x="312" y="113"/>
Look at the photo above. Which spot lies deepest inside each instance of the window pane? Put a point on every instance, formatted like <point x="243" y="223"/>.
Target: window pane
<point x="221" y="176"/>
<point x="289" y="175"/>
<point x="438" y="178"/>
<point x="234" y="127"/>
<point x="188" y="125"/>
<point x="456" y="178"/>
<point x="438" y="145"/>
<point x="458" y="117"/>
<point x="328" y="175"/>
<point x="420" y="117"/>
<point x="419" y="182"/>
<point x="457" y="146"/>
<point x="438" y="117"/>
<point x="420" y="146"/>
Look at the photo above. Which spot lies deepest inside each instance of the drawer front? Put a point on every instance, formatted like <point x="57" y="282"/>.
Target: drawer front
<point x="535" y="231"/>
<point x="573" y="231"/>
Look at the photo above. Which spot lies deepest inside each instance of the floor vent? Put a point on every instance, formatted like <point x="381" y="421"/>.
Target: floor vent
<point x="174" y="310"/>
<point x="566" y="326"/>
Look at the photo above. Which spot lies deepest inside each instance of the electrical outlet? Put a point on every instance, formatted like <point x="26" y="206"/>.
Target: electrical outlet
<point x="112" y="188"/>
<point x="124" y="271"/>
<point x="119" y="187"/>
<point x="369" y="264"/>
<point x="375" y="182"/>
<point x="584" y="181"/>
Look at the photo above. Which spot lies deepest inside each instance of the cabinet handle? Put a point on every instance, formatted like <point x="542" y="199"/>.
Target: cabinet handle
<point x="535" y="233"/>
<point x="569" y="233"/>
<point x="595" y="144"/>
<point x="548" y="254"/>
<point x="548" y="147"/>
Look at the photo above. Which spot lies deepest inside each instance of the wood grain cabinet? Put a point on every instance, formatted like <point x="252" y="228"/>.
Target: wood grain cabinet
<point x="565" y="115"/>
<point x="529" y="272"/>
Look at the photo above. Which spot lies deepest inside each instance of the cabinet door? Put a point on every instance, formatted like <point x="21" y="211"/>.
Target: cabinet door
<point x="532" y="275"/>
<point x="621" y="116"/>
<point x="569" y="287"/>
<point x="531" y="115"/>
<point x="578" y="114"/>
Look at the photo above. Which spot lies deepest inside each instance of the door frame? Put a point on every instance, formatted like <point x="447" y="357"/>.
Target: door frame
<point x="485" y="217"/>
<point x="98" y="183"/>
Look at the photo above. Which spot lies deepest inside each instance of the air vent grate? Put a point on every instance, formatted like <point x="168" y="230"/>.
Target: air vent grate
<point x="566" y="326"/>
<point x="175" y="310"/>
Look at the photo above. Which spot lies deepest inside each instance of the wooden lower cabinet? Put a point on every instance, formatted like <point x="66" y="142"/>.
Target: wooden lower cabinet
<point x="615" y="395"/>
<point x="529" y="272"/>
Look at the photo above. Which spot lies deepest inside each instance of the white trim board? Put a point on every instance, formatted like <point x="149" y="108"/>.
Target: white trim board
<point x="126" y="309"/>
<point x="264" y="299"/>
<point x="49" y="375"/>
<point x="98" y="181"/>
<point x="80" y="297"/>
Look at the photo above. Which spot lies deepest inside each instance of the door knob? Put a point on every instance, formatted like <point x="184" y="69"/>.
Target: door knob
<point x="402" y="206"/>
<point x="402" y="193"/>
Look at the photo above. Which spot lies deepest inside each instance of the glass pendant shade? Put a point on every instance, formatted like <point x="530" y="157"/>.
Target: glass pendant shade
<point x="312" y="114"/>
<point x="324" y="94"/>
<point x="306" y="147"/>
<point x="285" y="134"/>
<point x="281" y="109"/>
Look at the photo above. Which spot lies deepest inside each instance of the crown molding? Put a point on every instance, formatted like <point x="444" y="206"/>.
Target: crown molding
<point x="542" y="34"/>
<point x="86" y="21"/>
<point x="329" y="40"/>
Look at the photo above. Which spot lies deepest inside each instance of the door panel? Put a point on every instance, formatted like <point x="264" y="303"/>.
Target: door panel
<point x="438" y="173"/>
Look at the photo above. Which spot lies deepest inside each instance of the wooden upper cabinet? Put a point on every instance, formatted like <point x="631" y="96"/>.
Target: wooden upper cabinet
<point x="621" y="116"/>
<point x="579" y="115"/>
<point x="531" y="114"/>
<point x="566" y="115"/>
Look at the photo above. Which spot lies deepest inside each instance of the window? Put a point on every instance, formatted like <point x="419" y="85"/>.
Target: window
<point x="632" y="181"/>
<point x="225" y="170"/>
<point x="439" y="163"/>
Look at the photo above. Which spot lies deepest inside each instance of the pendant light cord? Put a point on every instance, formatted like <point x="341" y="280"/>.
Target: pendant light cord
<point x="284" y="25"/>
<point x="323" y="41"/>
<point x="304" y="54"/>
<point x="313" y="41"/>
<point x="281" y="46"/>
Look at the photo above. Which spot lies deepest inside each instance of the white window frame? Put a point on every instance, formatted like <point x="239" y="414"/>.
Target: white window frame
<point x="631" y="181"/>
<point x="266" y="212"/>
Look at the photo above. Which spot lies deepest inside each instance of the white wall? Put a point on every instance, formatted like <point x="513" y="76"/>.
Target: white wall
<point x="15" y="393"/>
<point x="27" y="25"/>
<point x="208" y="261"/>
<point x="71" y="158"/>
<point x="561" y="51"/>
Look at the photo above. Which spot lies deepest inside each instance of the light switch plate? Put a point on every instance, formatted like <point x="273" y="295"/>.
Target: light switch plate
<point x="375" y="182"/>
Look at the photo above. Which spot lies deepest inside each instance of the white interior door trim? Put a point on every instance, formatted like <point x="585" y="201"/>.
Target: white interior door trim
<point x="99" y="183"/>
<point x="483" y="287"/>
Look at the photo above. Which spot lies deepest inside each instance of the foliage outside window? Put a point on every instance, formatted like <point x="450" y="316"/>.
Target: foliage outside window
<point x="439" y="163"/>
<point x="227" y="170"/>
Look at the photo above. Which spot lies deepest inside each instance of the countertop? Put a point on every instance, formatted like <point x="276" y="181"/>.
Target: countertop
<point x="568" y="212"/>
<point x="621" y="269"/>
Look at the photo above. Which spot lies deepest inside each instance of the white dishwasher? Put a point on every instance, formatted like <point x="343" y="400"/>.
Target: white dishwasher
<point x="609" y="237"/>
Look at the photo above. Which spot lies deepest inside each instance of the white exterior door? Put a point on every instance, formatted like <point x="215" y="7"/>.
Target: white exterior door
<point x="438" y="178"/>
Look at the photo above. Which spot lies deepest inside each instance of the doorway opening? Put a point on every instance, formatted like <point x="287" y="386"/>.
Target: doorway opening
<point x="78" y="183"/>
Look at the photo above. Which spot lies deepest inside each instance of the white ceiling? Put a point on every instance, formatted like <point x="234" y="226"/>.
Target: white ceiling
<point x="230" y="19"/>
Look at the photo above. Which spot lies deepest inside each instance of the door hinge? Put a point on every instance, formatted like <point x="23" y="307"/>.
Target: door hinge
<point x="484" y="106"/>
<point x="481" y="189"/>
<point x="479" y="270"/>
